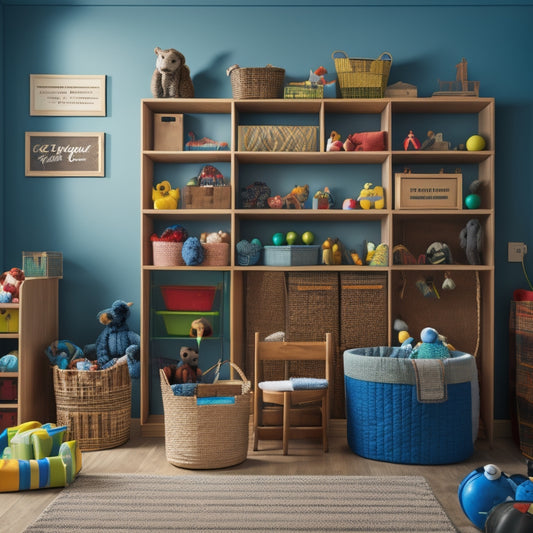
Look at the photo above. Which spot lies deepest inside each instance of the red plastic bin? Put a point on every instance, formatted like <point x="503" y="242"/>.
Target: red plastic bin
<point x="188" y="297"/>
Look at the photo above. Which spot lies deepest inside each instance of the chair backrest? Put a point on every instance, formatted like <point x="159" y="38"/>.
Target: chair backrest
<point x="292" y="351"/>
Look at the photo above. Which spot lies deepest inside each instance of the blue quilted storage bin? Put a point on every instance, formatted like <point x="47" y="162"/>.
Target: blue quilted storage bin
<point x="411" y="411"/>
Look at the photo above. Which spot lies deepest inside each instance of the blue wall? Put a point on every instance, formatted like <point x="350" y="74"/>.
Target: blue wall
<point x="95" y="221"/>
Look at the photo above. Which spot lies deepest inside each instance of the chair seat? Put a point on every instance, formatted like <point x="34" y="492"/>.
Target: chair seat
<point x="294" y="384"/>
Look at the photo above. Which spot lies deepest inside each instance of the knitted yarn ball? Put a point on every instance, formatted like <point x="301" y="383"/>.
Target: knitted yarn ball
<point x="192" y="252"/>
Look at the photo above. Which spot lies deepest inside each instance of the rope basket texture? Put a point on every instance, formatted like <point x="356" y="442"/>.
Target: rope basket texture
<point x="206" y="436"/>
<point x="96" y="406"/>
<point x="256" y="82"/>
<point x="216" y="254"/>
<point x="167" y="253"/>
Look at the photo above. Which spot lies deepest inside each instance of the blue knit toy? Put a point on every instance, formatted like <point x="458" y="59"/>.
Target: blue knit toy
<point x="431" y="346"/>
<point x="192" y="252"/>
<point x="116" y="341"/>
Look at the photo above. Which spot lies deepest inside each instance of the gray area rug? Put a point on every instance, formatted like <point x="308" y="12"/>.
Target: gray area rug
<point x="132" y="502"/>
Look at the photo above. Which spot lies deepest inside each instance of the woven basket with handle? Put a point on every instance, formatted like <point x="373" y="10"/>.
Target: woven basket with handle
<point x="206" y="436"/>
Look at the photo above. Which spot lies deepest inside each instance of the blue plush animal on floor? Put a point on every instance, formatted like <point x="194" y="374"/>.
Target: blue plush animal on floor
<point x="116" y="341"/>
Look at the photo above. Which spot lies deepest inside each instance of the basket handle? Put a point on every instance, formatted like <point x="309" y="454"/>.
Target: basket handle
<point x="229" y="70"/>
<point x="385" y="54"/>
<point x="334" y="54"/>
<point x="218" y="364"/>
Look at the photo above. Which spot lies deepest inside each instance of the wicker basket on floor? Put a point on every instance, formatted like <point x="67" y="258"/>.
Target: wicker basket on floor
<point x="96" y="406"/>
<point x="208" y="436"/>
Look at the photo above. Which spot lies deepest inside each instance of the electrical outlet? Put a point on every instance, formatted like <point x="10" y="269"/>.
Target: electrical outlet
<point x="516" y="252"/>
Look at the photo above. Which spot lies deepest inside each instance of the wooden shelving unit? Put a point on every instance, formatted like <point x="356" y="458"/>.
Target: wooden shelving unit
<point x="37" y="328"/>
<point x="414" y="228"/>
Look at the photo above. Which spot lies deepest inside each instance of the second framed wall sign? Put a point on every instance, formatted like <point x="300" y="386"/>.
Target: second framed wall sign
<point x="64" y="154"/>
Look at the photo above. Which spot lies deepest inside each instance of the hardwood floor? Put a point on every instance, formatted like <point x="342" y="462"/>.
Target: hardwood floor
<point x="147" y="455"/>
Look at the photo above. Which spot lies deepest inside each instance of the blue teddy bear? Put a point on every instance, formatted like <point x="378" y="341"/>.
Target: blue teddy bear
<point x="116" y="341"/>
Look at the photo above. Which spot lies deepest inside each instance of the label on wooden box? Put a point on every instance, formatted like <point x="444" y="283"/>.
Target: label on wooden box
<point x="428" y="191"/>
<point x="168" y="132"/>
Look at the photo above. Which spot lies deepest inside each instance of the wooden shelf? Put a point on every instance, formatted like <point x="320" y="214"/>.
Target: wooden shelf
<point x="414" y="228"/>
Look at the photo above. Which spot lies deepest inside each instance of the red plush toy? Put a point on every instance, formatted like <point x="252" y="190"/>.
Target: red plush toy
<point x="366" y="141"/>
<point x="11" y="281"/>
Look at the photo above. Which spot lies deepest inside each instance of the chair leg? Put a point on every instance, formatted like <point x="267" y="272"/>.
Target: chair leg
<point x="324" y="424"/>
<point x="286" y="422"/>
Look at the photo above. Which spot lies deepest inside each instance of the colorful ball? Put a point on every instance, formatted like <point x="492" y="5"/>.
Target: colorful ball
<point x="472" y="201"/>
<point x="475" y="143"/>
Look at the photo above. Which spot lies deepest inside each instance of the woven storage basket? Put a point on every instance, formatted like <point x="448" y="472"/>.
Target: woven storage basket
<point x="363" y="309"/>
<point x="206" y="436"/>
<point x="216" y="254"/>
<point x="362" y="78"/>
<point x="167" y="253"/>
<point x="96" y="406"/>
<point x="256" y="82"/>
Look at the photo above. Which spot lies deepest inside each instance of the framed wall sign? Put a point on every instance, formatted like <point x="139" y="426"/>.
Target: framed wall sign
<point x="64" y="154"/>
<point x="58" y="95"/>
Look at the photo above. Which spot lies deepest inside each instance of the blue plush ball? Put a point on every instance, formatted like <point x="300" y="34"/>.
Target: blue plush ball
<point x="192" y="252"/>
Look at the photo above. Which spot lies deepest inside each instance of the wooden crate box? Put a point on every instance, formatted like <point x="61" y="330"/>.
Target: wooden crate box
<point x="206" y="197"/>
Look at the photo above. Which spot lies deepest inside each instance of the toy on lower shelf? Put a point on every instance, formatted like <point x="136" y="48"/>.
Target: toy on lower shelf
<point x="35" y="457"/>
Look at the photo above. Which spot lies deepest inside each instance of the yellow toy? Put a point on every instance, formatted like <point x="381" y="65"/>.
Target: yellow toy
<point x="371" y="197"/>
<point x="332" y="252"/>
<point x="165" y="197"/>
<point x="35" y="457"/>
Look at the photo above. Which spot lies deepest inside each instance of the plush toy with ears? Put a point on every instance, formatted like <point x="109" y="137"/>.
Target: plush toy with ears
<point x="470" y="239"/>
<point x="116" y="342"/>
<point x="171" y="77"/>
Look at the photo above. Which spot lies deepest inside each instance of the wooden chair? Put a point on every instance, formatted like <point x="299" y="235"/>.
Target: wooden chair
<point x="291" y="414"/>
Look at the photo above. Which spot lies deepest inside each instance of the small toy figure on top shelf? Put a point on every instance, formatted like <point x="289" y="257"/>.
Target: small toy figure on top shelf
<point x="435" y="141"/>
<point x="411" y="142"/>
<point x="460" y="86"/>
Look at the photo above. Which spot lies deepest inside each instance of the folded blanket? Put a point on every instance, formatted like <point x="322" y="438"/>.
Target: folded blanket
<point x="184" y="389"/>
<point x="309" y="383"/>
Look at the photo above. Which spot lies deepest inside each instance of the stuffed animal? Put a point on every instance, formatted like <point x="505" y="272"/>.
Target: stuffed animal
<point x="61" y="353"/>
<point x="171" y="77"/>
<point x="116" y="342"/>
<point x="367" y="141"/>
<point x="188" y="371"/>
<point x="470" y="239"/>
<point x="201" y="328"/>
<point x="164" y="196"/>
<point x="10" y="282"/>
<point x="192" y="252"/>
<point x="432" y="346"/>
<point x="371" y="197"/>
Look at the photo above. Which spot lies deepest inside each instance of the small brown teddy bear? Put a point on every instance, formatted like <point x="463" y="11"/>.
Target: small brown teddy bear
<point x="171" y="77"/>
<point x="187" y="371"/>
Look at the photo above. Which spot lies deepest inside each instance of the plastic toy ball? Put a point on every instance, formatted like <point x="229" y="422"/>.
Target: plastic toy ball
<point x="472" y="201"/>
<point x="483" y="489"/>
<point x="475" y="143"/>
<point x="349" y="203"/>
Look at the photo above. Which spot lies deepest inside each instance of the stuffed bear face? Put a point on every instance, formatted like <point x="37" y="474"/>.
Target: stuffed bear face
<point x="169" y="60"/>
<point x="117" y="315"/>
<point x="189" y="356"/>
